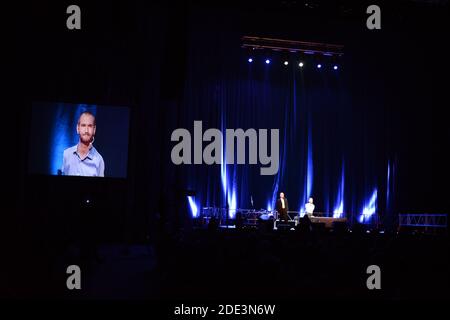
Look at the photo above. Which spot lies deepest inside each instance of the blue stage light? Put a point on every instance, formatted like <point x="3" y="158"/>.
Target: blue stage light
<point x="319" y="66"/>
<point x="335" y="67"/>
<point x="267" y="61"/>
<point x="250" y="60"/>
<point x="193" y="205"/>
<point x="370" y="208"/>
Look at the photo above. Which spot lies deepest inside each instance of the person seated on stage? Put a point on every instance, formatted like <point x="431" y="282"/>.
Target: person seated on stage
<point x="282" y="207"/>
<point x="309" y="207"/>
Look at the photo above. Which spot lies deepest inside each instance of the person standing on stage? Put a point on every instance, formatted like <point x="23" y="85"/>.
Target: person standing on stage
<point x="282" y="207"/>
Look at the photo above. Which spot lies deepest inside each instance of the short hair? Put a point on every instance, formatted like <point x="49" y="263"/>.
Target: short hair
<point x="88" y="113"/>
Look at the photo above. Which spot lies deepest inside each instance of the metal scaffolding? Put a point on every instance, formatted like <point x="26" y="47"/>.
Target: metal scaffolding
<point x="426" y="220"/>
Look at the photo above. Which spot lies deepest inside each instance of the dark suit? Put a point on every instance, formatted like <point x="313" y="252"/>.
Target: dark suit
<point x="282" y="213"/>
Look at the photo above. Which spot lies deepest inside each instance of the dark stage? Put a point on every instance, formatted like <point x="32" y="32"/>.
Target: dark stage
<point x="274" y="151"/>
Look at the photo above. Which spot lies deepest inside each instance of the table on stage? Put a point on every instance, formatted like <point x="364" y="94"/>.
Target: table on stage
<point x="328" y="221"/>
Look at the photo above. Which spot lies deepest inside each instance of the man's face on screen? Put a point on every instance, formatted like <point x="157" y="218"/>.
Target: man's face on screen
<point x="86" y="128"/>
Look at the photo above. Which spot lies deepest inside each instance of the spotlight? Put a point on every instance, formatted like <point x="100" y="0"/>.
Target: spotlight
<point x="335" y="67"/>
<point x="267" y="61"/>
<point x="300" y="64"/>
<point x="250" y="60"/>
<point x="286" y="63"/>
<point x="319" y="66"/>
